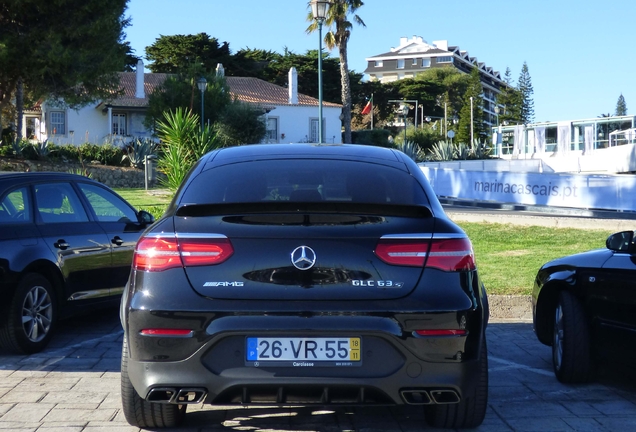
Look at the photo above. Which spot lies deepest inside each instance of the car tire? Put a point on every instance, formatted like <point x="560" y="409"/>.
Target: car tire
<point x="141" y="413"/>
<point x="571" y="354"/>
<point x="471" y="410"/>
<point x="31" y="317"/>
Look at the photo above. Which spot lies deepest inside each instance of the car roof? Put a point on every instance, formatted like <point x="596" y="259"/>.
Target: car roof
<point x="9" y="178"/>
<point x="304" y="150"/>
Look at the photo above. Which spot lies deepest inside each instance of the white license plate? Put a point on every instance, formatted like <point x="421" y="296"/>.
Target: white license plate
<point x="285" y="349"/>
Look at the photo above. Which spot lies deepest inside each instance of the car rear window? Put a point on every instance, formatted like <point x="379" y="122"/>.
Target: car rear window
<point x="305" y="181"/>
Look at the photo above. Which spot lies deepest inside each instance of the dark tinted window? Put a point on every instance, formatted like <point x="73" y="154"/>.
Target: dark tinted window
<point x="107" y="206"/>
<point x="14" y="207"/>
<point x="58" y="203"/>
<point x="305" y="181"/>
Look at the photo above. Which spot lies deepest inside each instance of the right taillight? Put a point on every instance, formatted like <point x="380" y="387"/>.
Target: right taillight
<point x="453" y="254"/>
<point x="160" y="253"/>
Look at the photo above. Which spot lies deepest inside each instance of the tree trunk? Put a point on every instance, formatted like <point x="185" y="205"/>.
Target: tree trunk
<point x="19" y="105"/>
<point x="346" y="92"/>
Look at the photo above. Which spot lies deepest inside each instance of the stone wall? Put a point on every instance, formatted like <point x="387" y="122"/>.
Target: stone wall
<point x="116" y="177"/>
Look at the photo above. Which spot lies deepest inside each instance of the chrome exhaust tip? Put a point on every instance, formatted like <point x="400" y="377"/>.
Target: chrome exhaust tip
<point x="190" y="396"/>
<point x="416" y="397"/>
<point x="444" y="396"/>
<point x="161" y="395"/>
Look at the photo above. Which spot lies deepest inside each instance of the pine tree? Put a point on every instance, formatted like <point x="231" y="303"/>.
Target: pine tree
<point x="524" y="86"/>
<point x="509" y="101"/>
<point x="474" y="90"/>
<point x="621" y="106"/>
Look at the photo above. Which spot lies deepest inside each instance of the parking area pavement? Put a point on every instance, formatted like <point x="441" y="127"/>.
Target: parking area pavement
<point x="74" y="386"/>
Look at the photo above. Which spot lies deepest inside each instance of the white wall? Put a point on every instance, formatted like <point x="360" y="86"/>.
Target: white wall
<point x="89" y="124"/>
<point x="611" y="192"/>
<point x="294" y="122"/>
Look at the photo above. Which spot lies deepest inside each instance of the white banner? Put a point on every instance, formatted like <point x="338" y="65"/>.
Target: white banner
<point x="589" y="139"/>
<point x="561" y="190"/>
<point x="564" y="137"/>
<point x="539" y="136"/>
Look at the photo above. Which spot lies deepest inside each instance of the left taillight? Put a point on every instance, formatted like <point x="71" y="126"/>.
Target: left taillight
<point x="157" y="254"/>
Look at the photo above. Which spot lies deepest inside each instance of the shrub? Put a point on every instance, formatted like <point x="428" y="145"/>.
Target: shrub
<point x="375" y="137"/>
<point x="240" y="124"/>
<point x="184" y="143"/>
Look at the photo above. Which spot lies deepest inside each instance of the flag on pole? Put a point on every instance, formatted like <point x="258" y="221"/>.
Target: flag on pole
<point x="368" y="107"/>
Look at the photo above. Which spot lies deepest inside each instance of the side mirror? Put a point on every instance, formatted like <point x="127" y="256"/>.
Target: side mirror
<point x="620" y="241"/>
<point x="145" y="218"/>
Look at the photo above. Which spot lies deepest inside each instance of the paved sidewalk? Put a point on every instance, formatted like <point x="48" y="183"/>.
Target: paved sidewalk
<point x="74" y="386"/>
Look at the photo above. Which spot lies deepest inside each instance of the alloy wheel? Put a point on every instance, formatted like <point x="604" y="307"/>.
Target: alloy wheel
<point x="37" y="314"/>
<point x="557" y="341"/>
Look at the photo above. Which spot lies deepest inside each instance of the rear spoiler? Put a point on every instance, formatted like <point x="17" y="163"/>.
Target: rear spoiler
<point x="287" y="207"/>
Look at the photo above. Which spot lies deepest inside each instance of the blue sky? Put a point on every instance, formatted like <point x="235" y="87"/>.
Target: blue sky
<point x="580" y="53"/>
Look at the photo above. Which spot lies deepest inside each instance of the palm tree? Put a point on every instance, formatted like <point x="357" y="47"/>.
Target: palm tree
<point x="338" y="36"/>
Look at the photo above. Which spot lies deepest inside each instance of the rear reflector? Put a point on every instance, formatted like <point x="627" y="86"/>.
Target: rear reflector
<point x="440" y="332"/>
<point x="443" y="254"/>
<point x="167" y="332"/>
<point x="162" y="253"/>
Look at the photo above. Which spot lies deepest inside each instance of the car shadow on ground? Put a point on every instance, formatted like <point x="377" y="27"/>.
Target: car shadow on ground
<point x="85" y="343"/>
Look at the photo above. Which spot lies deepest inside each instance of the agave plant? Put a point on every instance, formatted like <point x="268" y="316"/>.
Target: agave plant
<point x="138" y="150"/>
<point x="411" y="149"/>
<point x="443" y="151"/>
<point x="463" y="152"/>
<point x="80" y="171"/>
<point x="41" y="148"/>
<point x="480" y="150"/>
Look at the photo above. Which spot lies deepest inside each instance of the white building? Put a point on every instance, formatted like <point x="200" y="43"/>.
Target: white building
<point x="290" y="116"/>
<point x="415" y="55"/>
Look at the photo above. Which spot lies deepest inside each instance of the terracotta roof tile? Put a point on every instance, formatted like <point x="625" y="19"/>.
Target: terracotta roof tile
<point x="257" y="91"/>
<point x="249" y="90"/>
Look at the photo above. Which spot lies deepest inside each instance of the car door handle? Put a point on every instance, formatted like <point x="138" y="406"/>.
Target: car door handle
<point x="61" y="244"/>
<point x="117" y="241"/>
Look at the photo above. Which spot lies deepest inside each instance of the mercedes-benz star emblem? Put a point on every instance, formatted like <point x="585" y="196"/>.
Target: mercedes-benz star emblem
<point x="303" y="257"/>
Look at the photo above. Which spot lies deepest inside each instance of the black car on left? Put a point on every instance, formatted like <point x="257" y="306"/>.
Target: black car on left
<point x="66" y="246"/>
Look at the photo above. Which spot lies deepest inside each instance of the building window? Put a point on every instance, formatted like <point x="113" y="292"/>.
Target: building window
<point x="119" y="124"/>
<point x="58" y="123"/>
<point x="272" y="129"/>
<point x="445" y="59"/>
<point x="426" y="62"/>
<point x="414" y="63"/>
<point x="400" y="64"/>
<point x="378" y="63"/>
<point x="313" y="130"/>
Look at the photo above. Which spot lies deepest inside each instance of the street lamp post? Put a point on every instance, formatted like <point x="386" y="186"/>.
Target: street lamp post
<point x="403" y="109"/>
<point x="319" y="9"/>
<point x="497" y="114"/>
<point x="472" y="139"/>
<point x="202" y="84"/>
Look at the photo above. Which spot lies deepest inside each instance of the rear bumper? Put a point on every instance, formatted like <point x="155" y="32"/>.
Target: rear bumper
<point x="397" y="367"/>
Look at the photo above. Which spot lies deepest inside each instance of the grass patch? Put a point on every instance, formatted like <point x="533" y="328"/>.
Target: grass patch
<point x="153" y="201"/>
<point x="509" y="256"/>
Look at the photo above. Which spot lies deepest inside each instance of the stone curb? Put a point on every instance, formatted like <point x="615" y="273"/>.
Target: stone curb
<point x="510" y="307"/>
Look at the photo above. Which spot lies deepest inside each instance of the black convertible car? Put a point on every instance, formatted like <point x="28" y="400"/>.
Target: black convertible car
<point x="66" y="245"/>
<point x="304" y="274"/>
<point x="585" y="305"/>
